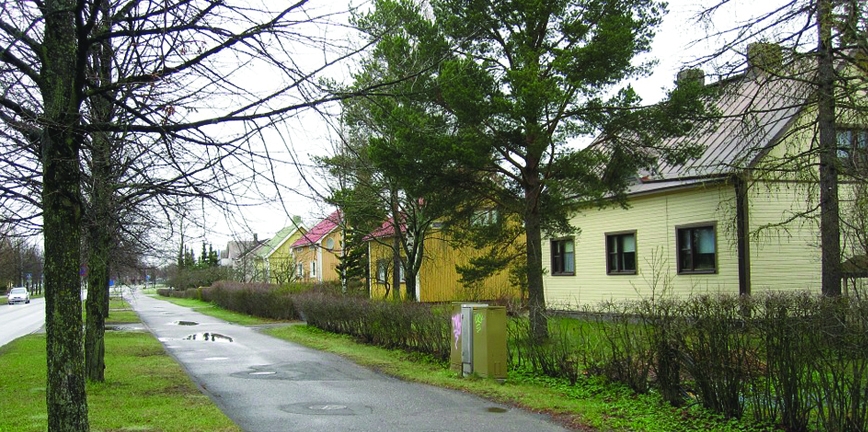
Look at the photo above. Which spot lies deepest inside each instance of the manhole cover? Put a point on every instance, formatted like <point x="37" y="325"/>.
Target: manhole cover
<point x="208" y="337"/>
<point x="327" y="408"/>
<point x="298" y="371"/>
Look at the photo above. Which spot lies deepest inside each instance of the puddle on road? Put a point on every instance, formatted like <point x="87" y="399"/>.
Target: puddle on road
<point x="209" y="337"/>
<point x="185" y="323"/>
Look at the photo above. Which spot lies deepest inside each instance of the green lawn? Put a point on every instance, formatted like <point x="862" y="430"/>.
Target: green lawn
<point x="145" y="390"/>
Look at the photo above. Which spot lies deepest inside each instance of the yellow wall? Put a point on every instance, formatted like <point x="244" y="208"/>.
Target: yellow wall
<point x="326" y="259"/>
<point x="438" y="280"/>
<point x="282" y="260"/>
<point x="784" y="249"/>
<point x="331" y="257"/>
<point x="654" y="219"/>
<point x="784" y="242"/>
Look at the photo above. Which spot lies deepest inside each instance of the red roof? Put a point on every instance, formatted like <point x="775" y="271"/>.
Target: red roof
<point x="387" y="229"/>
<point x="320" y="230"/>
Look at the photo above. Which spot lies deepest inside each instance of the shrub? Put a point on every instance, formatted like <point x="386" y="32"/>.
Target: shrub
<point x="415" y="327"/>
<point x="259" y="299"/>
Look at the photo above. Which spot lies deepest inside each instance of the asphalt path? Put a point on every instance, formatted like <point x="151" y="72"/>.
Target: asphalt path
<point x="268" y="385"/>
<point x="21" y="319"/>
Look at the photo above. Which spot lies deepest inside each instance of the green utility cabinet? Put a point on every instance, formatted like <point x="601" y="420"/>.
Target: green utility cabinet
<point x="479" y="339"/>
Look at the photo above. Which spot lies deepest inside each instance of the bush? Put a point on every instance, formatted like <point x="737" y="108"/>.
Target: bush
<point x="414" y="327"/>
<point x="258" y="299"/>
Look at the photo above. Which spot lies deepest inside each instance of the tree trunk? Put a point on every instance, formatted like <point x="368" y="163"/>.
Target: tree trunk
<point x="97" y="300"/>
<point x="830" y="232"/>
<point x="100" y="224"/>
<point x="396" y="264"/>
<point x="414" y="262"/>
<point x="60" y="85"/>
<point x="533" y="231"/>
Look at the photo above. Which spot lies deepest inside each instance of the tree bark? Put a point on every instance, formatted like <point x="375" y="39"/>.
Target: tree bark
<point x="61" y="81"/>
<point x="533" y="231"/>
<point x="101" y="225"/>
<point x="830" y="232"/>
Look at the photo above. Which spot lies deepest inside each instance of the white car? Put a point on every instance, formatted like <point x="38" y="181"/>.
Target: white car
<point x="18" y="295"/>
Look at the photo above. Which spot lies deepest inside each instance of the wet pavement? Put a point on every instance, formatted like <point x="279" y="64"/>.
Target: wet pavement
<point x="268" y="385"/>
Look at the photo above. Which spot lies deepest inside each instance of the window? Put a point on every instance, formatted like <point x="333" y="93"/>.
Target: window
<point x="852" y="147"/>
<point x="382" y="270"/>
<point x="697" y="249"/>
<point x="383" y="267"/>
<point x="563" y="257"/>
<point x="299" y="270"/>
<point x="313" y="269"/>
<point x="621" y="253"/>
<point x="486" y="217"/>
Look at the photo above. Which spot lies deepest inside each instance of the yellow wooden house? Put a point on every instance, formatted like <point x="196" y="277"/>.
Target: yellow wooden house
<point x="274" y="259"/>
<point x="438" y="279"/>
<point x="317" y="253"/>
<point x="740" y="219"/>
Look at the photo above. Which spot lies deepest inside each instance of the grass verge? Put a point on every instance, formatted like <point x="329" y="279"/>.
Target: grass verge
<point x="145" y="390"/>
<point x="591" y="404"/>
<point x="217" y="312"/>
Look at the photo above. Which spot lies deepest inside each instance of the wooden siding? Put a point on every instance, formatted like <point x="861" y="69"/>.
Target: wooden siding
<point x="784" y="249"/>
<point x="438" y="279"/>
<point x="326" y="259"/>
<point x="282" y="260"/>
<point x="654" y="220"/>
<point x="785" y="253"/>
<point x="330" y="257"/>
<point x="305" y="255"/>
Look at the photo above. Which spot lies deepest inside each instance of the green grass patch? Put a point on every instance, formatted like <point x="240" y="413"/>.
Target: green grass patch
<point x="217" y="312"/>
<point x="120" y="312"/>
<point x="145" y="390"/>
<point x="591" y="403"/>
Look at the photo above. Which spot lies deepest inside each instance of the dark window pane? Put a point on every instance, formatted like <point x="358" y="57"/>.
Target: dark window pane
<point x="569" y="257"/>
<point x="629" y="261"/>
<point x="697" y="249"/>
<point x="704" y="261"/>
<point x="563" y="257"/>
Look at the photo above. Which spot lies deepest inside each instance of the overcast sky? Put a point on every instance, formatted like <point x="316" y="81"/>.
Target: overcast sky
<point x="309" y="134"/>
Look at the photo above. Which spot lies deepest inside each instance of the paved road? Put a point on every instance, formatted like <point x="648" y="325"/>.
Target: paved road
<point x="268" y="385"/>
<point x="21" y="319"/>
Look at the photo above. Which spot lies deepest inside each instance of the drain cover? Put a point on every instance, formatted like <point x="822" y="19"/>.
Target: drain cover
<point x="327" y="408"/>
<point x="297" y="371"/>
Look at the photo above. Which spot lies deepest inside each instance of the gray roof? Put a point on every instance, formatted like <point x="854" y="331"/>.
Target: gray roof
<point x="756" y="110"/>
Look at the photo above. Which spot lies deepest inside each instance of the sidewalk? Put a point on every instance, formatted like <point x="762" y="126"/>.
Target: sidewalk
<point x="268" y="385"/>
